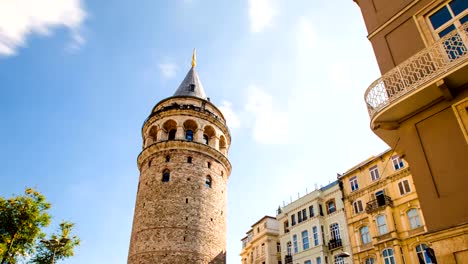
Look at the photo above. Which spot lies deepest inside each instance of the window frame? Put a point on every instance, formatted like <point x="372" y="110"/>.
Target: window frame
<point x="358" y="205"/>
<point x="208" y="182"/>
<point x="381" y="226"/>
<point x="315" y="236"/>
<point x="305" y="240"/>
<point x="331" y="209"/>
<point x="374" y="173"/>
<point x="354" y="184"/>
<point x="389" y="258"/>
<point x="404" y="187"/>
<point x="365" y="236"/>
<point x="414" y="220"/>
<point x="399" y="164"/>
<point x="295" y="244"/>
<point x="335" y="231"/>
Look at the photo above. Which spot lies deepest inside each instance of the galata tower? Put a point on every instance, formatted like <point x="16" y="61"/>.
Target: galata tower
<point x="180" y="210"/>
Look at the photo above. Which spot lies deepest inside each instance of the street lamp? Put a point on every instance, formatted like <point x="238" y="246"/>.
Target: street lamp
<point x="55" y="244"/>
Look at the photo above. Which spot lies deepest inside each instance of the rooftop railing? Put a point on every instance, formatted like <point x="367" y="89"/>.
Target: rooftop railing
<point x="441" y="57"/>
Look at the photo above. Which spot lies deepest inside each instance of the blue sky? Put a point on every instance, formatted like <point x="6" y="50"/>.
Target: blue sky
<point x="78" y="78"/>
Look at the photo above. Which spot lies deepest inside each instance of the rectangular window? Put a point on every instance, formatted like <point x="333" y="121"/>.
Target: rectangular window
<point x="305" y="240"/>
<point x="293" y="220"/>
<point x="357" y="205"/>
<point x="286" y="226"/>
<point x="404" y="187"/>
<point x="331" y="207"/>
<point x="263" y="249"/>
<point x="318" y="260"/>
<point x="299" y="216"/>
<point x="354" y="183"/>
<point x="382" y="224"/>
<point x="311" y="211"/>
<point x="304" y="214"/>
<point x="320" y="210"/>
<point x="397" y="162"/>
<point x="278" y="247"/>
<point x="315" y="234"/>
<point x="374" y="172"/>
<point x="323" y="234"/>
<point x="296" y="249"/>
<point x="307" y="262"/>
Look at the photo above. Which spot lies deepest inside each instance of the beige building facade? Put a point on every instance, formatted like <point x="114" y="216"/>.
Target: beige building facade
<point x="180" y="210"/>
<point x="419" y="106"/>
<point x="313" y="228"/>
<point x="384" y="217"/>
<point x="261" y="244"/>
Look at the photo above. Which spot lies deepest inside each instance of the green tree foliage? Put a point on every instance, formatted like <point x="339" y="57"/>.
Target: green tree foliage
<point x="58" y="247"/>
<point x="21" y="221"/>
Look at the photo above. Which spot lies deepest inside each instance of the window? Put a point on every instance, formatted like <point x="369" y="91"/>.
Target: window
<point x="335" y="231"/>
<point x="357" y="205"/>
<point x="263" y="248"/>
<point x="289" y="246"/>
<point x="423" y="255"/>
<point x="369" y="261"/>
<point x="205" y="139"/>
<point x="404" y="187"/>
<point x="208" y="181"/>
<point x="293" y="220"/>
<point x="339" y="260"/>
<point x="311" y="211"/>
<point x="315" y="234"/>
<point x="189" y="159"/>
<point x="305" y="239"/>
<point x="189" y="135"/>
<point x="168" y="158"/>
<point x="382" y="224"/>
<point x="413" y="218"/>
<point x="374" y="173"/>
<point x="447" y="19"/>
<point x="172" y="134"/>
<point x="209" y="165"/>
<point x="166" y="175"/>
<point x="323" y="235"/>
<point x="299" y="216"/>
<point x="320" y="210"/>
<point x="278" y="247"/>
<point x="365" y="237"/>
<point x="286" y="225"/>
<point x="354" y="184"/>
<point x="318" y="260"/>
<point x="307" y="262"/>
<point x="304" y="214"/>
<point x="191" y="87"/>
<point x="388" y="256"/>
<point x="296" y="249"/>
<point x="397" y="162"/>
<point x="331" y="208"/>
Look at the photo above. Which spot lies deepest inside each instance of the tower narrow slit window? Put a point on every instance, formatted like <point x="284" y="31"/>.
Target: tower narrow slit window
<point x="205" y="139"/>
<point x="172" y="134"/>
<point x="189" y="159"/>
<point x="168" y="158"/>
<point x="166" y="176"/>
<point x="189" y="135"/>
<point x="208" y="181"/>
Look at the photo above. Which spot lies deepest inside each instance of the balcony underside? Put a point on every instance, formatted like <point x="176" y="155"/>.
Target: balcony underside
<point x="437" y="89"/>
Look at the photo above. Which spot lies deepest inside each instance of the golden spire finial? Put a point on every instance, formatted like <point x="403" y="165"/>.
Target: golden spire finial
<point x="194" y="58"/>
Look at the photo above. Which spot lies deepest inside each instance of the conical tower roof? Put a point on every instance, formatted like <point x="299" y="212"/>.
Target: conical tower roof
<point x="191" y="86"/>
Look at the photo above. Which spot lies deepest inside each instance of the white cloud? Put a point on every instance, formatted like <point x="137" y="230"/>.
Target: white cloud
<point x="232" y="119"/>
<point x="271" y="124"/>
<point x="19" y="18"/>
<point x="168" y="70"/>
<point x="261" y="13"/>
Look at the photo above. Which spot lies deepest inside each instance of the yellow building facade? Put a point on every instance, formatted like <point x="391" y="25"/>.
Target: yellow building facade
<point x="385" y="221"/>
<point x="261" y="245"/>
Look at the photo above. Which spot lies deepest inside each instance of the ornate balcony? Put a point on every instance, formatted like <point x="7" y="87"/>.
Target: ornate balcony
<point x="423" y="70"/>
<point x="334" y="244"/>
<point x="288" y="259"/>
<point x="378" y="203"/>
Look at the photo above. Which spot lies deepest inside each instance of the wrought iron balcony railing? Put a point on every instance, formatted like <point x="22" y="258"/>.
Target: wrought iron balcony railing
<point x="334" y="244"/>
<point x="444" y="55"/>
<point x="380" y="202"/>
<point x="288" y="259"/>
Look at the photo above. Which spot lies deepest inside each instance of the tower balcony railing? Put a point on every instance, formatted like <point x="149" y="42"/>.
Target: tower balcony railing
<point x="440" y="58"/>
<point x="378" y="203"/>
<point x="288" y="259"/>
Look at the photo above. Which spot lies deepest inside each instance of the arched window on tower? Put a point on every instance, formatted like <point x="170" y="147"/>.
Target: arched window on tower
<point x="208" y="181"/>
<point x="189" y="135"/>
<point x="205" y="139"/>
<point x="166" y="176"/>
<point x="172" y="134"/>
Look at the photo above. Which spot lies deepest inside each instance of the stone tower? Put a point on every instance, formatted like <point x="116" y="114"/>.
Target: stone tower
<point x="180" y="211"/>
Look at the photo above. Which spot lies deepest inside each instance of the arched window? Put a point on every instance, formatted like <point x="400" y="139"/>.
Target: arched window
<point x="208" y="181"/>
<point x="369" y="261"/>
<point x="423" y="255"/>
<point x="365" y="237"/>
<point x="189" y="135"/>
<point x="205" y="139"/>
<point x="382" y="224"/>
<point x="413" y="218"/>
<point x="339" y="260"/>
<point x="166" y="176"/>
<point x="388" y="256"/>
<point x="172" y="134"/>
<point x="335" y="231"/>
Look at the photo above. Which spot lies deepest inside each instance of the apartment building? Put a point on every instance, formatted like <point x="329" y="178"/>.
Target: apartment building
<point x="384" y="217"/>
<point x="419" y="106"/>
<point x="261" y="244"/>
<point x="313" y="228"/>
